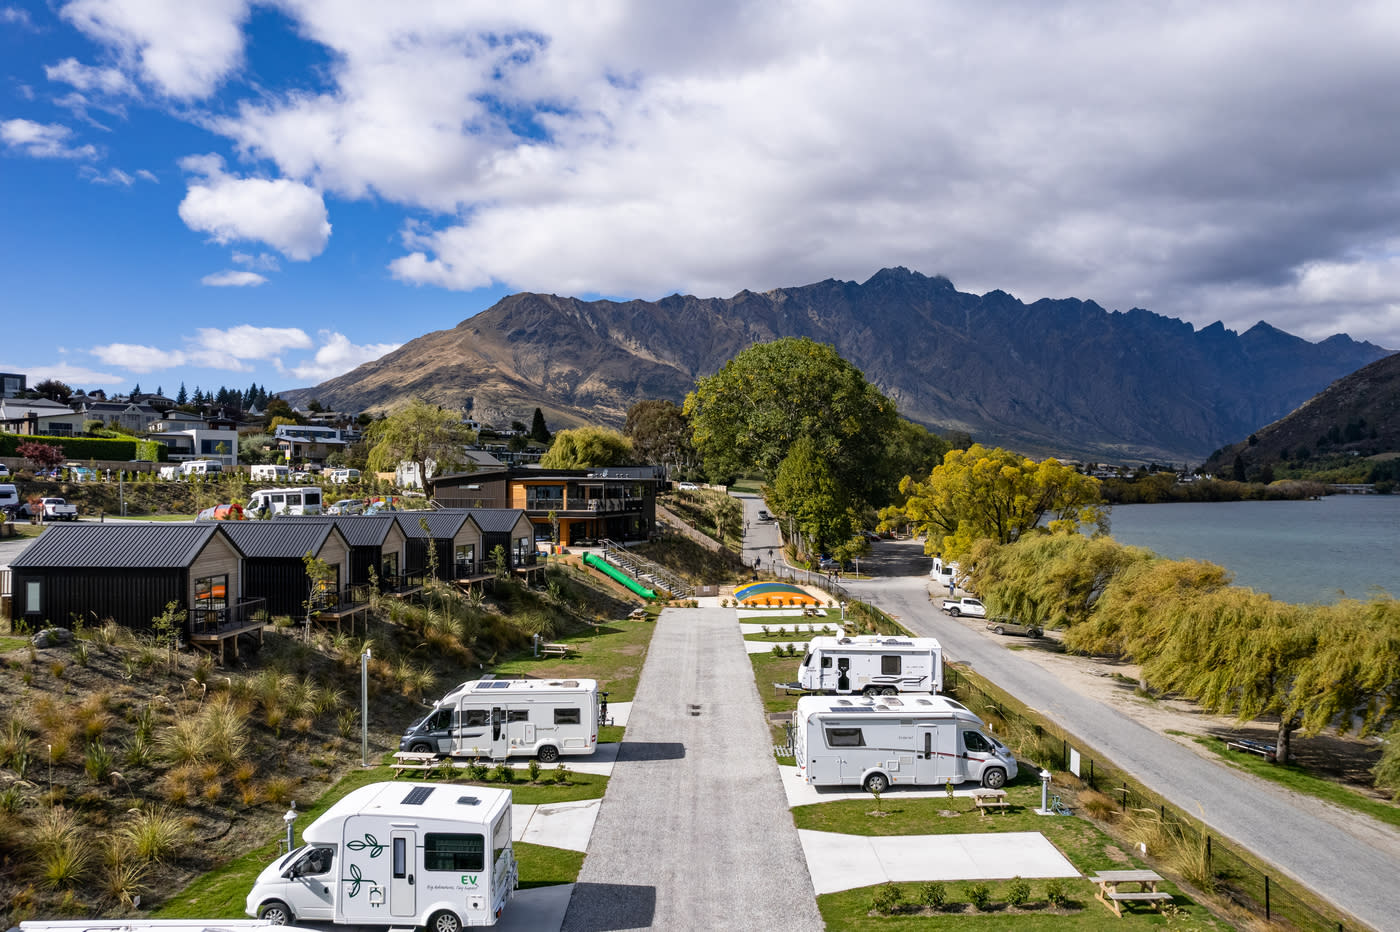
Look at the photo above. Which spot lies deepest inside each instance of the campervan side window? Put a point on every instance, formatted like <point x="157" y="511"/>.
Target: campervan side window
<point x="400" y="857"/>
<point x="476" y="718"/>
<point x="439" y="720"/>
<point x="889" y="664"/>
<point x="826" y="663"/>
<point x="974" y="741"/>
<point x="500" y="837"/>
<point x="517" y="715"/>
<point x="567" y="717"/>
<point x="844" y="738"/>
<point x="444" y="852"/>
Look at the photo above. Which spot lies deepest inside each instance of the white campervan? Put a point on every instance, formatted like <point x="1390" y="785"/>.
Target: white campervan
<point x="435" y="856"/>
<point x="268" y="472"/>
<point x="9" y="497"/>
<point x="872" y="664"/>
<point x="879" y="743"/>
<point x="200" y="468"/>
<point x="946" y="574"/>
<point x="304" y="500"/>
<point x="507" y="718"/>
<point x="343" y="476"/>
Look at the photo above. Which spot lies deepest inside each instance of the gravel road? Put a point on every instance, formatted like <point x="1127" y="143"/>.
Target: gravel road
<point x="1351" y="868"/>
<point x="694" y="831"/>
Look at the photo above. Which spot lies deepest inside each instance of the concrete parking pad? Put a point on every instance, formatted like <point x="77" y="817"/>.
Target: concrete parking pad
<point x="538" y="909"/>
<point x="558" y="825"/>
<point x="801" y="793"/>
<point x="845" y="862"/>
<point x="766" y="647"/>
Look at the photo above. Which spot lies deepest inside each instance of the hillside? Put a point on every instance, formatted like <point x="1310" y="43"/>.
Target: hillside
<point x="1055" y="376"/>
<point x="1356" y="417"/>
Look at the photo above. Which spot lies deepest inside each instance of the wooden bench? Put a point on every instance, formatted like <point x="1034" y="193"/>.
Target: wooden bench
<point x="555" y="650"/>
<point x="990" y="800"/>
<point x="413" y="760"/>
<point x="1266" y="751"/>
<point x="1146" y="882"/>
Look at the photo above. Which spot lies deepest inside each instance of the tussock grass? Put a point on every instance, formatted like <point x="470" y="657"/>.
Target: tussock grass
<point x="61" y="851"/>
<point x="123" y="875"/>
<point x="154" y="834"/>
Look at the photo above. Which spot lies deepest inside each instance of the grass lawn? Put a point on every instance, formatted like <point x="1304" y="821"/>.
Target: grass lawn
<point x="612" y="654"/>
<point x="751" y="486"/>
<point x="768" y="670"/>
<point x="12" y="643"/>
<point x="1300" y="781"/>
<point x="221" y="894"/>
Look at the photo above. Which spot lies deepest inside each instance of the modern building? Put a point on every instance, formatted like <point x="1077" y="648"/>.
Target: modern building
<point x="39" y="417"/>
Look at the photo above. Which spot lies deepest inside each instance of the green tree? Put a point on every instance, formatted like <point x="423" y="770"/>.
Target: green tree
<point x="809" y="492"/>
<point x="748" y="415"/>
<point x="586" y="447"/>
<point x="539" y="431"/>
<point x="1051" y="580"/>
<point x="911" y="450"/>
<point x="980" y="493"/>
<point x="431" y="438"/>
<point x="257" y="448"/>
<point x="54" y="390"/>
<point x="660" y="434"/>
<point x="729" y="520"/>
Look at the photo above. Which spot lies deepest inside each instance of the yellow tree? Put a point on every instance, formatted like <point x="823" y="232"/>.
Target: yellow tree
<point x="584" y="447"/>
<point x="997" y="494"/>
<point x="1052" y="580"/>
<point x="1131" y="616"/>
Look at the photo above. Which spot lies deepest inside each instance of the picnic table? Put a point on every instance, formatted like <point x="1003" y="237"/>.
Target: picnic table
<point x="1266" y="751"/>
<point x="986" y="800"/>
<point x="557" y="650"/>
<point x="413" y="760"/>
<point x="1145" y="889"/>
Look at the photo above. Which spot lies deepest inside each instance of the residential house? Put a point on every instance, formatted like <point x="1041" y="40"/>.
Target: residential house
<point x="190" y="436"/>
<point x="39" y="417"/>
<point x="617" y="503"/>
<point x="12" y="384"/>
<point x="309" y="443"/>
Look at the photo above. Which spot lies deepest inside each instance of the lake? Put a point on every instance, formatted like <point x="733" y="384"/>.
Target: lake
<point x="1312" y="551"/>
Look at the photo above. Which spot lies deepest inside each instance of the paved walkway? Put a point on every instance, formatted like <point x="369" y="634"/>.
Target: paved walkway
<point x="694" y="832"/>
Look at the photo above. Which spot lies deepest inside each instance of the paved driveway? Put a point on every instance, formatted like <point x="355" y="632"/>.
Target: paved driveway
<point x="1352" y="869"/>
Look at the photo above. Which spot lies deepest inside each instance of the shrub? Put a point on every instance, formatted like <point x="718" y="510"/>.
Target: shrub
<point x="1057" y="892"/>
<point x="561" y="774"/>
<point x="979" y="895"/>
<point x="137" y="751"/>
<point x="278" y="790"/>
<point x="1018" y="892"/>
<point x="123" y="876"/>
<point x="933" y="894"/>
<point x="888" y="898"/>
<point x="503" y="773"/>
<point x="533" y="768"/>
<point x="61" y="848"/>
<point x="98" y="763"/>
<point x="154" y="834"/>
<point x="1098" y="806"/>
<point x="777" y="650"/>
<point x="476" y="771"/>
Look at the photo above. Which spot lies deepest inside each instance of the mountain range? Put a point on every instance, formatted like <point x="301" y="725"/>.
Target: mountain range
<point x="1060" y="376"/>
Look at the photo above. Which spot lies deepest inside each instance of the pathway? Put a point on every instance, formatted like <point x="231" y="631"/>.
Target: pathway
<point x="694" y="831"/>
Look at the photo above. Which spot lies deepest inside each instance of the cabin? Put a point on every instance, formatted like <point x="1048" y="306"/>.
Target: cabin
<point x="129" y="573"/>
<point x="274" y="566"/>
<point x="377" y="543"/>
<point x="512" y="530"/>
<point x="449" y="538"/>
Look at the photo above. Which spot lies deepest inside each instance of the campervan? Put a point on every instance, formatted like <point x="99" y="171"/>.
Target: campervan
<point x="169" y="472"/>
<point x="304" y="500"/>
<point x="872" y="664"/>
<point x="266" y="472"/>
<point x="430" y="855"/>
<point x="200" y="468"/>
<point x="904" y="741"/>
<point x="9" y="497"/>
<point x="509" y="718"/>
<point x="946" y="574"/>
<point x="342" y="476"/>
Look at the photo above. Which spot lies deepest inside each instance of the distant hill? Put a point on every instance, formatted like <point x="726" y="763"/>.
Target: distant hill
<point x="1056" y="376"/>
<point x="1357" y="415"/>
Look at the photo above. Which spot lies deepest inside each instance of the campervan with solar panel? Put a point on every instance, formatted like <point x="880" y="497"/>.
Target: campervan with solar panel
<point x="435" y="856"/>
<point x="497" y="719"/>
<point x="874" y="665"/>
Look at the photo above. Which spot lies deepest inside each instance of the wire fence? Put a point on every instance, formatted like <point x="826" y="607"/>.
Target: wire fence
<point x="1213" y="865"/>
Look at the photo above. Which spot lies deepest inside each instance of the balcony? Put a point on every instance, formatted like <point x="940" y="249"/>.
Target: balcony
<point x="217" y="620"/>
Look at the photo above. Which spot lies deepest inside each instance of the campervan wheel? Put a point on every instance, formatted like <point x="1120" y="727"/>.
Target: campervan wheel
<point x="445" y="921"/>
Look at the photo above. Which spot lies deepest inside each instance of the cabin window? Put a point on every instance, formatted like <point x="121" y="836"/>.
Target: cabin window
<point x="568" y="717"/>
<point x="390" y="565"/>
<point x="517" y="715"/>
<point x="476" y="718"/>
<point x="444" y="852"/>
<point x="844" y="738"/>
<point x="974" y="741"/>
<point x="889" y="664"/>
<point x="32" y="589"/>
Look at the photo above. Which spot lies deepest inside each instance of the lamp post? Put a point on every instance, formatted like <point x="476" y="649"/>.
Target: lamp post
<point x="1045" y="792"/>
<point x="364" y="715"/>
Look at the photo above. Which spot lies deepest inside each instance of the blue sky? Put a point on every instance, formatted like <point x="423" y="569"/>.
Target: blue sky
<point x="227" y="192"/>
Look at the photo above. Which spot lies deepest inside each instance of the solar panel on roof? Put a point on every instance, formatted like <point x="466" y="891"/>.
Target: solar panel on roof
<point x="418" y="795"/>
<point x="493" y="684"/>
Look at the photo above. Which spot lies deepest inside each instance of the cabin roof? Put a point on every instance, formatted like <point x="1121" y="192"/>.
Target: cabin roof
<point x="141" y="546"/>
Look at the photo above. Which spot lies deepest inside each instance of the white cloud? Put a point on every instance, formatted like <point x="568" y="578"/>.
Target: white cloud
<point x="110" y="81"/>
<point x="209" y="347"/>
<point x="336" y="356"/>
<point x="147" y="176"/>
<point x="233" y="278"/>
<point x="72" y="375"/>
<point x="43" y="140"/>
<point x="287" y="215"/>
<point x="112" y="176"/>
<point x="136" y="358"/>
<point x="265" y="261"/>
<point x="186" y="50"/>
<point x="14" y="16"/>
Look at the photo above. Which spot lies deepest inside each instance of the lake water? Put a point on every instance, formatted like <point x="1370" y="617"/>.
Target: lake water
<point x="1343" y="545"/>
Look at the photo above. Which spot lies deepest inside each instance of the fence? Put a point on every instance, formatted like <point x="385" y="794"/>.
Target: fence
<point x="1225" y="872"/>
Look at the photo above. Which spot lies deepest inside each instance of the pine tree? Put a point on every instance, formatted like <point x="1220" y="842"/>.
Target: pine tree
<point x="182" y="397"/>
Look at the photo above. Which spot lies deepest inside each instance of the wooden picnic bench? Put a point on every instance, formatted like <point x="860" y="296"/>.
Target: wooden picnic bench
<point x="413" y="760"/>
<point x="556" y="650"/>
<point x="1109" y="894"/>
<point x="990" y="800"/>
<point x="1266" y="751"/>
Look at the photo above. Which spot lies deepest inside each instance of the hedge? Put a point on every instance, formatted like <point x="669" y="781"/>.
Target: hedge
<point x="90" y="448"/>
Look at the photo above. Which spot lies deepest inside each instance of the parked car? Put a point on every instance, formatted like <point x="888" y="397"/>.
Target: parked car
<point x="830" y="565"/>
<point x="763" y="515"/>
<point x="965" y="606"/>
<point x="688" y="487"/>
<point x="347" y="506"/>
<point x="54" y="509"/>
<point x="4" y="470"/>
<point x="1012" y="626"/>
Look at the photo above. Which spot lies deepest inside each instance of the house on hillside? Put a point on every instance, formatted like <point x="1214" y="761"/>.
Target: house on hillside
<point x="617" y="503"/>
<point x="39" y="417"/>
<point x="309" y="443"/>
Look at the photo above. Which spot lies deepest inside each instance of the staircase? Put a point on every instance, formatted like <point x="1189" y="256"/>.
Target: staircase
<point x="655" y="575"/>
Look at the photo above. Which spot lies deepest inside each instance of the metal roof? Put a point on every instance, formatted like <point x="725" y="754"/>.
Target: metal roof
<point x="443" y="524"/>
<point x="140" y="546"/>
<point x="272" y="540"/>
<point x="358" y="530"/>
<point x="495" y="520"/>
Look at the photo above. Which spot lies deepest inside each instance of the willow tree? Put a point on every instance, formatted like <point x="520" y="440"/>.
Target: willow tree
<point x="1051" y="580"/>
<point x="586" y="447"/>
<point x="1238" y="652"/>
<point x="430" y="438"/>
<point x="1137" y="606"/>
<point x="999" y="495"/>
